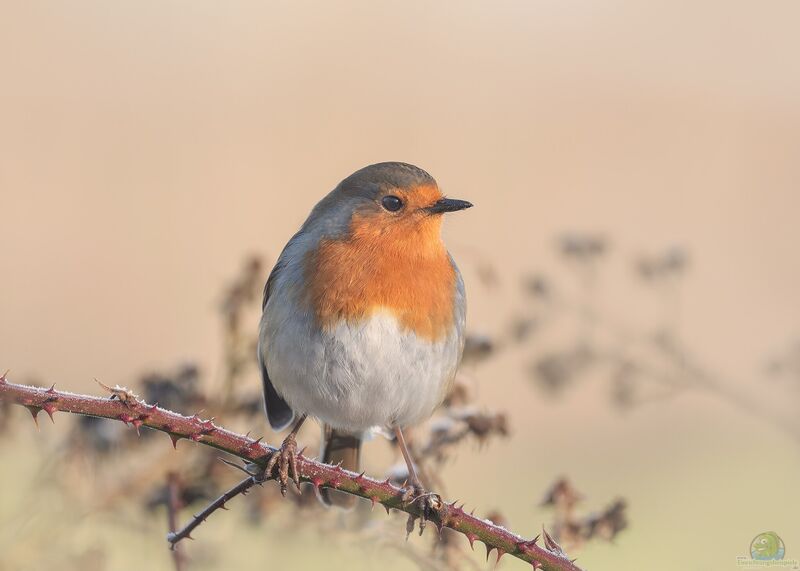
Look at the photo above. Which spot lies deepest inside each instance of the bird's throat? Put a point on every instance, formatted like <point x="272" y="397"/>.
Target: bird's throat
<point x="404" y="270"/>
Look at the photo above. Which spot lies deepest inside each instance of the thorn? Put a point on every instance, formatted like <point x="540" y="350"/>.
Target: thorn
<point x="34" y="410"/>
<point x="472" y="537"/>
<point x="550" y="543"/>
<point x="126" y="418"/>
<point x="536" y="565"/>
<point x="235" y="465"/>
<point x="316" y="482"/>
<point x="4" y="376"/>
<point x="49" y="408"/>
<point x="253" y="445"/>
<point x="387" y="508"/>
<point x="530" y="544"/>
<point x="488" y="550"/>
<point x="500" y="553"/>
<point x="137" y="423"/>
<point x="174" y="438"/>
<point x="52" y="389"/>
<point x="374" y="500"/>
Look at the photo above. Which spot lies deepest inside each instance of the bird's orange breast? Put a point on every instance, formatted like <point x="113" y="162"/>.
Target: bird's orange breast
<point x="401" y="267"/>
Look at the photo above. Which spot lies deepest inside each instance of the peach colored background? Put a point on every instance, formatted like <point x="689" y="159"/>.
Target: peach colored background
<point x="146" y="147"/>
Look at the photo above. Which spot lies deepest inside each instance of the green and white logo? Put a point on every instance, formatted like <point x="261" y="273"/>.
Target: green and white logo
<point x="767" y="550"/>
<point x="767" y="546"/>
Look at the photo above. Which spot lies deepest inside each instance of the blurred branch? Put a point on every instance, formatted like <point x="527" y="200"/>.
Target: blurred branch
<point x="635" y="356"/>
<point x="173" y="506"/>
<point x="186" y="532"/>
<point x="124" y="406"/>
<point x="573" y="530"/>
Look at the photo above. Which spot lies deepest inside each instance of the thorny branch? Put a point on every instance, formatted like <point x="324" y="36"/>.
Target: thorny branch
<point x="186" y="532"/>
<point x="132" y="411"/>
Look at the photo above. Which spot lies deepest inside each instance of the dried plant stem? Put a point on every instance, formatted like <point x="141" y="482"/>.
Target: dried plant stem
<point x="173" y="506"/>
<point x="128" y="409"/>
<point x="185" y="533"/>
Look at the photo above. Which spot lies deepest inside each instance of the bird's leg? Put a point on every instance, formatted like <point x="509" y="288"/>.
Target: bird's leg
<point x="429" y="502"/>
<point x="412" y="471"/>
<point x="286" y="458"/>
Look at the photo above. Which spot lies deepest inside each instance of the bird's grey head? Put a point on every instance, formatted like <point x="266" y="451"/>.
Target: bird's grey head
<point x="371" y="181"/>
<point x="384" y="192"/>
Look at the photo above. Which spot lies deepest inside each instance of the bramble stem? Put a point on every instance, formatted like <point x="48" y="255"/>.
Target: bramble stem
<point x="127" y="408"/>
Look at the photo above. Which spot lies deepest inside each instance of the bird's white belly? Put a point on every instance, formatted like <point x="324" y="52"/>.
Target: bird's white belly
<point x="357" y="375"/>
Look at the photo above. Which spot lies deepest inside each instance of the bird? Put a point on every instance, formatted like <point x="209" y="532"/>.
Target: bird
<point x="363" y="319"/>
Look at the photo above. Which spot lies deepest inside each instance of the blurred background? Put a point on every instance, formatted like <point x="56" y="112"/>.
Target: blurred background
<point x="631" y="263"/>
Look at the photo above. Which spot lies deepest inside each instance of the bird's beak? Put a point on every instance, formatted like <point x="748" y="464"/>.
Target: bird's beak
<point x="448" y="205"/>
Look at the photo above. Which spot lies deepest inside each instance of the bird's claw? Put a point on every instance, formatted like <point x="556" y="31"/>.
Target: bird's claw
<point x="429" y="503"/>
<point x="286" y="460"/>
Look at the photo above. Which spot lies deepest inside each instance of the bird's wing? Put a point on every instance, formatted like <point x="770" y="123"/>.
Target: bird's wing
<point x="279" y="414"/>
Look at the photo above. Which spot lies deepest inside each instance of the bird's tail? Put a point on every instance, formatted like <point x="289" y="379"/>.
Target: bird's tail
<point x="339" y="448"/>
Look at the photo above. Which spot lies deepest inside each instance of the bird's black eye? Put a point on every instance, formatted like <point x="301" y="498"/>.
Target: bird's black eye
<point x="392" y="203"/>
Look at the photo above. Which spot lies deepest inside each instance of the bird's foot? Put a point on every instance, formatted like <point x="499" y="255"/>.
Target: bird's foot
<point x="429" y="505"/>
<point x="286" y="460"/>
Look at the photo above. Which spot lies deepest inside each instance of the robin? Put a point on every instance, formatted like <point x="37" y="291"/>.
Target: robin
<point x="363" y="318"/>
